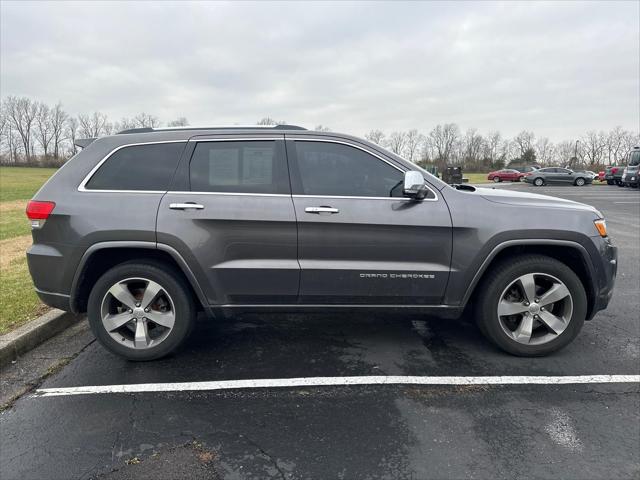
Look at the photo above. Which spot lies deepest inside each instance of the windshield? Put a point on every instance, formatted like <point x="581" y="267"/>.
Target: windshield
<point x="634" y="158"/>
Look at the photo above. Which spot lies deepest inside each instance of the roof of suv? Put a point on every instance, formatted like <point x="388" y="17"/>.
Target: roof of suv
<point x="214" y="127"/>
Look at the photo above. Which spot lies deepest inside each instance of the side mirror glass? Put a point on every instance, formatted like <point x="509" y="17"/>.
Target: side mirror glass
<point x="414" y="186"/>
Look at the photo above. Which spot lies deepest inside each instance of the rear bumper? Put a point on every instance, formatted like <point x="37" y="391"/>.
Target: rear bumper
<point x="55" y="300"/>
<point x="47" y="266"/>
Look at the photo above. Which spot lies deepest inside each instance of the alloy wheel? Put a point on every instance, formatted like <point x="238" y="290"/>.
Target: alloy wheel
<point x="138" y="313"/>
<point x="535" y="308"/>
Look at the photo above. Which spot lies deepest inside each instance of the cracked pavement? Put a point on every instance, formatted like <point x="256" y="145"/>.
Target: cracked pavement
<point x="346" y="432"/>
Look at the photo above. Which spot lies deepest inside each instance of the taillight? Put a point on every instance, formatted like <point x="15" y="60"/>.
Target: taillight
<point x="38" y="212"/>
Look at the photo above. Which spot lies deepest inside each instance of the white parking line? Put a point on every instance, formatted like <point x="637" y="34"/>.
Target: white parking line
<point x="335" y="381"/>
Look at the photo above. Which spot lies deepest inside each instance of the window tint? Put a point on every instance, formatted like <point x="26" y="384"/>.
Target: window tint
<point x="635" y="159"/>
<point x="562" y="170"/>
<point x="340" y="170"/>
<point x="139" y="167"/>
<point x="239" y="167"/>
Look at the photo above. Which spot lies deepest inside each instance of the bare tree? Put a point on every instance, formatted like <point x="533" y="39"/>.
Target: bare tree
<point x="524" y="140"/>
<point x="442" y="141"/>
<point x="509" y="151"/>
<point x="71" y="128"/>
<point x="22" y="112"/>
<point x="630" y="140"/>
<point x="544" y="150"/>
<point x="491" y="147"/>
<point x="92" y="126"/>
<point x="322" y="128"/>
<point x="58" y="120"/>
<point x="397" y="142"/>
<point x="414" y="141"/>
<point x="471" y="148"/>
<point x="44" y="128"/>
<point x="178" y="122"/>
<point x="375" y="136"/>
<point x="146" y="120"/>
<point x="594" y="145"/>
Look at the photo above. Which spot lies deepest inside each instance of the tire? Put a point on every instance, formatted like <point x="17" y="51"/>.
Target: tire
<point x="610" y="182"/>
<point x="174" y="300"/>
<point x="580" y="182"/>
<point x="538" y="182"/>
<point x="544" y="341"/>
<point x="496" y="179"/>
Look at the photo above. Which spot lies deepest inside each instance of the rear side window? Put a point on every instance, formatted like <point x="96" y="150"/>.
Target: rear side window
<point x="239" y="167"/>
<point x="138" y="167"/>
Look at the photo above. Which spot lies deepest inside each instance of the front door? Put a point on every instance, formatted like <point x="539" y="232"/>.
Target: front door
<point x="231" y="217"/>
<point x="359" y="240"/>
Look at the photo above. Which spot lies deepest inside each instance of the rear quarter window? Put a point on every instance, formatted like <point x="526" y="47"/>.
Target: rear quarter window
<point x="138" y="167"/>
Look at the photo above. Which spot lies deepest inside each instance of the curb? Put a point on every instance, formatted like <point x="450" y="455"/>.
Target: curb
<point x="33" y="333"/>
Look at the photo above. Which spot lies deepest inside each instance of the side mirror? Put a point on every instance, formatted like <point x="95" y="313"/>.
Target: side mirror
<point x="414" y="186"/>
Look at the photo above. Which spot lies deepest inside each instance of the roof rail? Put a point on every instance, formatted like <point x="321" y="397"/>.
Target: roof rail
<point x="216" y="127"/>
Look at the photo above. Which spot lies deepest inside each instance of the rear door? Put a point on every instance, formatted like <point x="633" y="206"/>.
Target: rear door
<point x="359" y="240"/>
<point x="231" y="216"/>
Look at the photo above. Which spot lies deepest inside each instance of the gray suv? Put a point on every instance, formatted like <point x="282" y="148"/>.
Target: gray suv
<point x="144" y="229"/>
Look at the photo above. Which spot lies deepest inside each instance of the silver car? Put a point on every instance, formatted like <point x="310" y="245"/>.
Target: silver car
<point x="558" y="176"/>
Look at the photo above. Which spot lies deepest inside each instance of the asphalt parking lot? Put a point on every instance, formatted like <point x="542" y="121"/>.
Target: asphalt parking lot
<point x="349" y="432"/>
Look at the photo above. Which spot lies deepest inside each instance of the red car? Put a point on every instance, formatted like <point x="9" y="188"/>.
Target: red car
<point x="506" y="175"/>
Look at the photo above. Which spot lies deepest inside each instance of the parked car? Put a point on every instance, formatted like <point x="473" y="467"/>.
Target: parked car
<point x="506" y="175"/>
<point x="613" y="175"/>
<point x="559" y="176"/>
<point x="601" y="176"/>
<point x="145" y="228"/>
<point x="631" y="173"/>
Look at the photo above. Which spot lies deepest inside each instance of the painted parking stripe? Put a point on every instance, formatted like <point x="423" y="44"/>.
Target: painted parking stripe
<point x="336" y="381"/>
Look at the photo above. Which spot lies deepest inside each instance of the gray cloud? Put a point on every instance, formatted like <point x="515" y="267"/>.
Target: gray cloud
<point x="557" y="69"/>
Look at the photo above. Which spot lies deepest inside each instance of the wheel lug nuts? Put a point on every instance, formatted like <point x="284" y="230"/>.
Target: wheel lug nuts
<point x="137" y="304"/>
<point x="146" y="310"/>
<point x="130" y="311"/>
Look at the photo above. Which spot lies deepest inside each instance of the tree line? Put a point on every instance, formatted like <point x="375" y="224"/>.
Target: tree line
<point x="34" y="133"/>
<point x="446" y="144"/>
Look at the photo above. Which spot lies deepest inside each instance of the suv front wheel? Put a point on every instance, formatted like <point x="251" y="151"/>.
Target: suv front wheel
<point x="141" y="311"/>
<point x="532" y="306"/>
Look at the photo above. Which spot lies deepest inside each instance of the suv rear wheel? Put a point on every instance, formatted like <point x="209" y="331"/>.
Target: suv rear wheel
<point x="532" y="306"/>
<point x="141" y="311"/>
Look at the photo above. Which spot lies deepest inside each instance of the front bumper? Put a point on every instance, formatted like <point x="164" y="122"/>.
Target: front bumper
<point x="606" y="269"/>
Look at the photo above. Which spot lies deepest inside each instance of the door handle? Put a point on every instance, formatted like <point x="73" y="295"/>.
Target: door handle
<point x="321" y="210"/>
<point x="184" y="206"/>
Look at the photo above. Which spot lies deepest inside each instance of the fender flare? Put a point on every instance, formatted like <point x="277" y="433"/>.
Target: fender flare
<point x="525" y="242"/>
<point x="182" y="264"/>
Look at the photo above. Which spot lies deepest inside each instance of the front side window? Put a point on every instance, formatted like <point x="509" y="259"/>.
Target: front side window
<point x="333" y="169"/>
<point x="138" y="167"/>
<point x="239" y="167"/>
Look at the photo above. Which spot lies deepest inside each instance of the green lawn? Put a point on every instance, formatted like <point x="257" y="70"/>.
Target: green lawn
<point x="18" y="301"/>
<point x="476" y="177"/>
<point x="20" y="183"/>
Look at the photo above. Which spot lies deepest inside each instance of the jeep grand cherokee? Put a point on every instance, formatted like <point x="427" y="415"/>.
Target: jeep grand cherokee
<point x="143" y="229"/>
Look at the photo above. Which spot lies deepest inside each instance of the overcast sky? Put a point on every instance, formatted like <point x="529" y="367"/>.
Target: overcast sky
<point x="556" y="69"/>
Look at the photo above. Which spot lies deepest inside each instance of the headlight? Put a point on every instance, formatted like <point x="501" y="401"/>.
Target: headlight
<point x="601" y="226"/>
